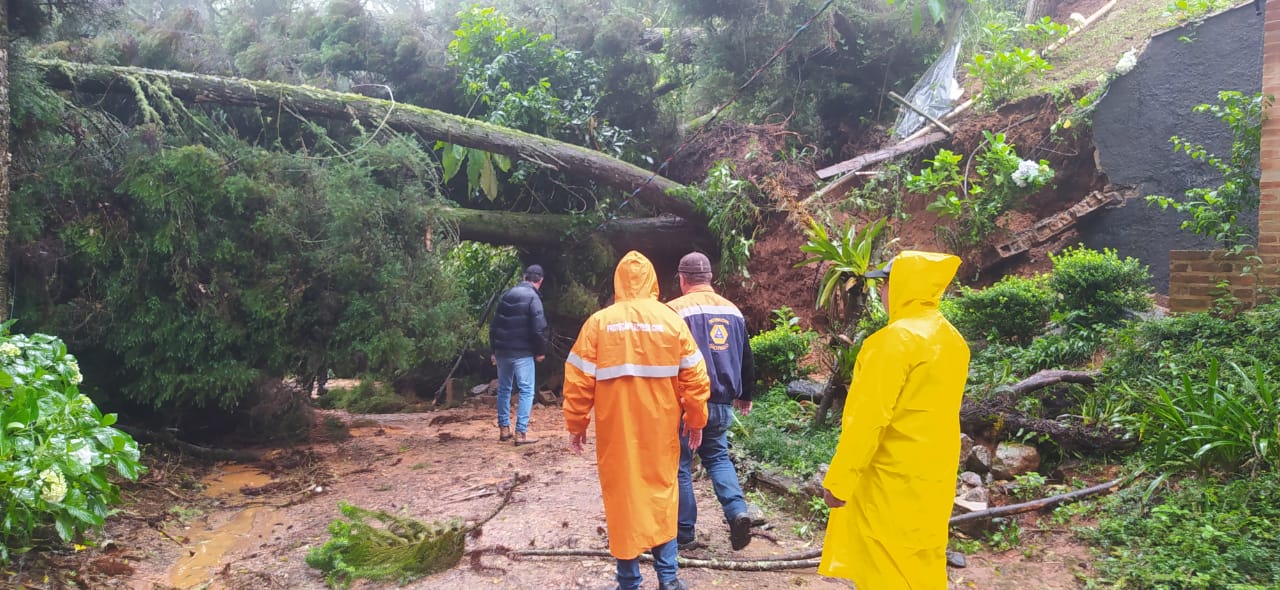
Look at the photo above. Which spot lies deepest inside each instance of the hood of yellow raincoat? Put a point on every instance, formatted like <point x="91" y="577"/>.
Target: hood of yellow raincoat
<point x="918" y="280"/>
<point x="635" y="278"/>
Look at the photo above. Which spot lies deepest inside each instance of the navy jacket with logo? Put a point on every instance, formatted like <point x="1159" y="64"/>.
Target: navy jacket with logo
<point x="721" y="332"/>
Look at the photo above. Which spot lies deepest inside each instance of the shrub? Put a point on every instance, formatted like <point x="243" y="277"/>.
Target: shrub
<point x="778" y="351"/>
<point x="366" y="398"/>
<point x="1223" y="420"/>
<point x="56" y="448"/>
<point x="1098" y="287"/>
<point x="1015" y="308"/>
<point x="1201" y="535"/>
<point x="777" y="434"/>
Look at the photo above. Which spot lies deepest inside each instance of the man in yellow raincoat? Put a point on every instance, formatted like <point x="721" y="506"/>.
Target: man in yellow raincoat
<point x="892" y="481"/>
<point x="638" y="366"/>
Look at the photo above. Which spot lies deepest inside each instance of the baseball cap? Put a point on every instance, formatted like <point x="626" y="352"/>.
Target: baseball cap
<point x="880" y="273"/>
<point x="534" y="270"/>
<point x="694" y="263"/>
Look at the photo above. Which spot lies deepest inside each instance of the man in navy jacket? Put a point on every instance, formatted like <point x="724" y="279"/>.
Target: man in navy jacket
<point x="518" y="335"/>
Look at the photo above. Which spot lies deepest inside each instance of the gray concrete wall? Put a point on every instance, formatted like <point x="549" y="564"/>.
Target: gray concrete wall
<point x="1152" y="103"/>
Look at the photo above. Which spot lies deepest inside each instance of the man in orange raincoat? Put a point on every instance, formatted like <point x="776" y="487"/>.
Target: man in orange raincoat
<point x="892" y="481"/>
<point x="638" y="366"/>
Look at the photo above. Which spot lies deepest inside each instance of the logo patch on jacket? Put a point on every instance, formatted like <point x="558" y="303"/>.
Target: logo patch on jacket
<point x="718" y="334"/>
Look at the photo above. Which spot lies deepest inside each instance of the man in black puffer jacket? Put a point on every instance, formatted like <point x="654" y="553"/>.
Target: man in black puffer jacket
<point x="518" y="335"/>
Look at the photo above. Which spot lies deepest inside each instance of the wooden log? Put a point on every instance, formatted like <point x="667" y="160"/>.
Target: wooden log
<point x="919" y="111"/>
<point x="1053" y="377"/>
<point x="654" y="236"/>
<point x="428" y="123"/>
<point x="848" y="168"/>
<point x="1041" y="504"/>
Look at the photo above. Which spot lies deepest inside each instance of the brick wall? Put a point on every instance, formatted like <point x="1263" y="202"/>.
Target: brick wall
<point x="1194" y="274"/>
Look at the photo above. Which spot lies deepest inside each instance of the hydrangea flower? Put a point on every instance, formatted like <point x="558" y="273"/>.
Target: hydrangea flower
<point x="53" y="487"/>
<point x="10" y="350"/>
<point x="76" y="377"/>
<point x="1028" y="173"/>
<point x="1127" y="62"/>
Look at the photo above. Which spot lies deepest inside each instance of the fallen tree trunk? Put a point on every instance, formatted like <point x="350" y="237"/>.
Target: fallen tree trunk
<point x="1033" y="505"/>
<point x="1053" y="377"/>
<point x="652" y="236"/>
<point x="1069" y="432"/>
<point x="428" y="123"/>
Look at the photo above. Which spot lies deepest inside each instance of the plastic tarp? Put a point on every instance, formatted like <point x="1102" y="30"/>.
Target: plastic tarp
<point x="934" y="93"/>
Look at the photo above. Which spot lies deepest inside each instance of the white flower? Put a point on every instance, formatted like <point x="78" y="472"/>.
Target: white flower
<point x="1028" y="172"/>
<point x="76" y="377"/>
<point x="83" y="456"/>
<point x="53" y="487"/>
<point x="1127" y="62"/>
<point x="10" y="350"/>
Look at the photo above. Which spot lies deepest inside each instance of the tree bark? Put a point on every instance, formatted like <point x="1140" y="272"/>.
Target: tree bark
<point x="4" y="162"/>
<point x="549" y="153"/>
<point x="1041" y="504"/>
<point x="654" y="236"/>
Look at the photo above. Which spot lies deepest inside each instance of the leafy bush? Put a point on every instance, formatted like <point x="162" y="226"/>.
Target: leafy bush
<point x="1015" y="308"/>
<point x="1011" y="56"/>
<point x="1222" y="420"/>
<point x="731" y="214"/>
<point x="777" y="434"/>
<point x="376" y="545"/>
<point x="56" y="448"/>
<point x="1214" y="211"/>
<point x="1098" y="287"/>
<point x="778" y="351"/>
<point x="1000" y="180"/>
<point x="1202" y="534"/>
<point x="366" y="398"/>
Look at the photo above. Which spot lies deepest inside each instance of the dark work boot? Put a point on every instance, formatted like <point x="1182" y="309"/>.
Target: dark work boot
<point x="521" y="439"/>
<point x="504" y="433"/>
<point x="740" y="531"/>
<point x="676" y="584"/>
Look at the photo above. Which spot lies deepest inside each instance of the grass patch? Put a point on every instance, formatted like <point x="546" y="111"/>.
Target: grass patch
<point x="777" y="435"/>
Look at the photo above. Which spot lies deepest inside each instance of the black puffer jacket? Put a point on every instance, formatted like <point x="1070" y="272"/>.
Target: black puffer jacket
<point x="519" y="327"/>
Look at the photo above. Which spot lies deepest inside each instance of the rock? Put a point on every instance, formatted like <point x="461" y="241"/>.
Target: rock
<point x="956" y="559"/>
<point x="963" y="506"/>
<point x="1013" y="459"/>
<point x="979" y="460"/>
<point x="805" y="390"/>
<point x="490" y="388"/>
<point x="977" y="495"/>
<point x="966" y="447"/>
<point x="814" y="485"/>
<point x="970" y="480"/>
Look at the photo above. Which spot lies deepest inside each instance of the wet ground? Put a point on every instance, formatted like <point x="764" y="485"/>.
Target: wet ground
<point x="251" y="526"/>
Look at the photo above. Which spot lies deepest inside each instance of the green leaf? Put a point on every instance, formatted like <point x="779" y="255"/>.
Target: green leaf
<point x="475" y="161"/>
<point x="503" y="162"/>
<point x="451" y="159"/>
<point x="489" y="178"/>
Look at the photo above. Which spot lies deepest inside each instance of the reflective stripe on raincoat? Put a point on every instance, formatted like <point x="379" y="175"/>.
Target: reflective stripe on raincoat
<point x="638" y="366"/>
<point x="895" y="465"/>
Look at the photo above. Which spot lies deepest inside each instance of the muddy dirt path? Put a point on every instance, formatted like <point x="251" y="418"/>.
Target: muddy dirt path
<point x="437" y="466"/>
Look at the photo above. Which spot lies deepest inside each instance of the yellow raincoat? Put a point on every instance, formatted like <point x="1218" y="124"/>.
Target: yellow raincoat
<point x="895" y="465"/>
<point x="637" y="364"/>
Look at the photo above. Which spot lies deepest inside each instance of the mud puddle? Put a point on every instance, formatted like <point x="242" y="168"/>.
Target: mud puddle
<point x="209" y="542"/>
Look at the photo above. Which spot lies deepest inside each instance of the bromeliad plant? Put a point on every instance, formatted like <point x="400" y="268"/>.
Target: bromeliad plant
<point x="847" y="256"/>
<point x="56" y="448"/>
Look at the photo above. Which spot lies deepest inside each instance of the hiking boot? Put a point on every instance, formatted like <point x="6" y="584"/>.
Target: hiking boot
<point x="740" y="531"/>
<point x="521" y="439"/>
<point x="693" y="545"/>
<point x="504" y="433"/>
<point x="675" y="584"/>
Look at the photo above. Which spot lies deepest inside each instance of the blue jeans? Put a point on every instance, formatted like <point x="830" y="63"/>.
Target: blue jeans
<point x="715" y="459"/>
<point x="664" y="563"/>
<point x="517" y="369"/>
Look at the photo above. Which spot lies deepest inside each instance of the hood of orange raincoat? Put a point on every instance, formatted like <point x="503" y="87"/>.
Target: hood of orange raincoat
<point x="635" y="278"/>
<point x="918" y="281"/>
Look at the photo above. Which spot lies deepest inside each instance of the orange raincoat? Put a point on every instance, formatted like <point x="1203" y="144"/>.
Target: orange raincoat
<point x="637" y="364"/>
<point x="895" y="465"/>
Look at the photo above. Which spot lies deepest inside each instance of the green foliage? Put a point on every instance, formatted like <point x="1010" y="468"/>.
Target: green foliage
<point x="732" y="216"/>
<point x="375" y="545"/>
<point x="1011" y="56"/>
<point x="1200" y="534"/>
<point x="778" y="351"/>
<point x="1098" y="287"/>
<point x="366" y="398"/>
<point x="247" y="263"/>
<point x="777" y="434"/>
<point x="999" y="182"/>
<point x="482" y="270"/>
<point x="847" y="257"/>
<point x="1219" y="420"/>
<point x="1185" y="10"/>
<point x="1014" y="309"/>
<point x="1214" y="210"/>
<point x="56" y="448"/>
<point x="1191" y="342"/>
